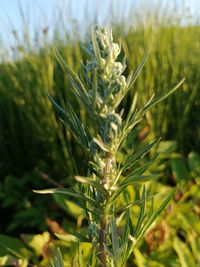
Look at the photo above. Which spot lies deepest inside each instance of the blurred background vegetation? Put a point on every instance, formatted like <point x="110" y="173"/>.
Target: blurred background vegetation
<point x="37" y="152"/>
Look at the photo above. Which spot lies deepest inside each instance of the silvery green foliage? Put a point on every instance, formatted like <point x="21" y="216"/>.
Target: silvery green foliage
<point x="110" y="81"/>
<point x="101" y="93"/>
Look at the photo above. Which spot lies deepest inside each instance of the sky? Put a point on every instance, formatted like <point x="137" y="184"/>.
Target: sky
<point x="35" y="15"/>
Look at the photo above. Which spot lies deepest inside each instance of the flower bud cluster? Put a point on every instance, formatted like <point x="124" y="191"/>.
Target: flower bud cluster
<point x="112" y="126"/>
<point x="109" y="72"/>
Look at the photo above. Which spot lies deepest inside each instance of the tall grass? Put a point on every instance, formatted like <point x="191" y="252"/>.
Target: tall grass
<point x="174" y="54"/>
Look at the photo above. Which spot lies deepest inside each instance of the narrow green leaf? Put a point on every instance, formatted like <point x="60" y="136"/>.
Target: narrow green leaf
<point x="133" y="158"/>
<point x="58" y="107"/>
<point x="133" y="203"/>
<point x="151" y="219"/>
<point x="131" y="111"/>
<point x="142" y="212"/>
<point x="96" y="47"/>
<point x="140" y="170"/>
<point x="156" y="213"/>
<point x="126" y="232"/>
<point x="62" y="203"/>
<point x="85" y="138"/>
<point x="84" y="72"/>
<point x="70" y="72"/>
<point x="159" y="99"/>
<point x="139" y="68"/>
<point x="131" y="79"/>
<point x="77" y="237"/>
<point x="93" y="183"/>
<point x="101" y="144"/>
<point x="79" y="95"/>
<point x="132" y="180"/>
<point x="94" y="89"/>
<point x="68" y="193"/>
<point x="72" y="121"/>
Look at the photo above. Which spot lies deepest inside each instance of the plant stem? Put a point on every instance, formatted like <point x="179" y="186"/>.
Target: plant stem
<point x="102" y="241"/>
<point x="102" y="233"/>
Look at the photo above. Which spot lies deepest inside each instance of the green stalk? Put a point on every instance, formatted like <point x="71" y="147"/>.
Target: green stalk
<point x="104" y="221"/>
<point x="102" y="241"/>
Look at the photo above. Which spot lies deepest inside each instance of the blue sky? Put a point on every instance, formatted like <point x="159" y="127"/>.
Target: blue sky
<point x="39" y="14"/>
<point x="36" y="15"/>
